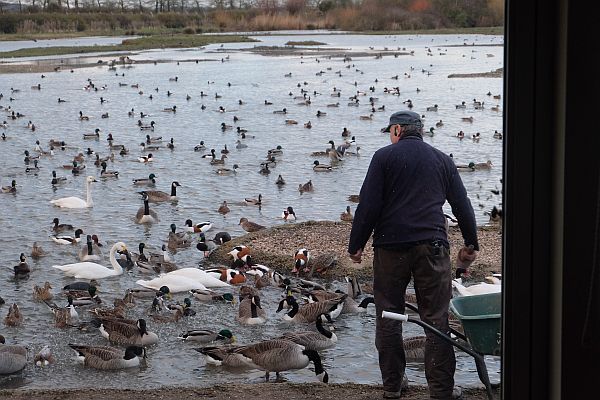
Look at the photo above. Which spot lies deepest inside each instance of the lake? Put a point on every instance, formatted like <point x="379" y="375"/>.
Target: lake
<point x="227" y="74"/>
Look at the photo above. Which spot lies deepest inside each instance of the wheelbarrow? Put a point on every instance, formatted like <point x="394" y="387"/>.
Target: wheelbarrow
<point x="480" y="317"/>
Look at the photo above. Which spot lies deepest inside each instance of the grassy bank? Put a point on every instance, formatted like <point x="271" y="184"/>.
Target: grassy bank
<point x="143" y="43"/>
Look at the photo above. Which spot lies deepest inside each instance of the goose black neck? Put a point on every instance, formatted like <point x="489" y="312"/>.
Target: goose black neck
<point x="146" y="207"/>
<point x="316" y="359"/>
<point x="89" y="248"/>
<point x="253" y="309"/>
<point x="322" y="330"/>
<point x="294" y="310"/>
<point x="173" y="190"/>
<point x="366" y="301"/>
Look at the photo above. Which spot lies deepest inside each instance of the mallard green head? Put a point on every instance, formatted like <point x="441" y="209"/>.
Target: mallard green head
<point x="228" y="297"/>
<point x="226" y="333"/>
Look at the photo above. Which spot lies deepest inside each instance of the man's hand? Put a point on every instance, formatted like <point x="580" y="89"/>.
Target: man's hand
<point x="357" y="257"/>
<point x="465" y="257"/>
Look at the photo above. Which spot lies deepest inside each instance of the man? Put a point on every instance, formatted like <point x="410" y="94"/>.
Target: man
<point x="401" y="199"/>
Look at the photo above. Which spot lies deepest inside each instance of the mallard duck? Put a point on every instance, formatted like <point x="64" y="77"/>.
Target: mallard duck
<point x="218" y="161"/>
<point x="207" y="336"/>
<point x="288" y="214"/>
<point x="347" y="215"/>
<point x="433" y="108"/>
<point x="467" y="119"/>
<point x="250" y="311"/>
<point x="144" y="215"/>
<point x="366" y="117"/>
<point x="123" y="332"/>
<point x="150" y="181"/>
<point x="311" y="340"/>
<point x="250" y="226"/>
<point x="37" y="251"/>
<point x="462" y="105"/>
<point x="177" y="240"/>
<point x="254" y="201"/>
<point x="483" y="165"/>
<point x="307" y="187"/>
<point x="13" y="358"/>
<point x="14" y="316"/>
<point x="89" y="252"/>
<point x="10" y="189"/>
<point x="156" y="196"/>
<point x="466" y="168"/>
<point x="95" y="135"/>
<point x="277" y="151"/>
<point x="76" y="202"/>
<point x="207" y="295"/>
<point x="146" y="159"/>
<point x="63" y="239"/>
<point x="227" y="171"/>
<point x="170" y="109"/>
<point x="108" y="358"/>
<point x="318" y="167"/>
<point x="223" y="208"/>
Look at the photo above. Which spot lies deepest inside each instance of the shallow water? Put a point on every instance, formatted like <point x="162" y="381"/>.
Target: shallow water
<point x="26" y="216"/>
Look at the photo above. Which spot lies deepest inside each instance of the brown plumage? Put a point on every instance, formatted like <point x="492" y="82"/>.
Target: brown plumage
<point x="37" y="251"/>
<point x="14" y="316"/>
<point x="250" y="226"/>
<point x="307" y="187"/>
<point x="223" y="209"/>
<point x="42" y="293"/>
<point x="347" y="215"/>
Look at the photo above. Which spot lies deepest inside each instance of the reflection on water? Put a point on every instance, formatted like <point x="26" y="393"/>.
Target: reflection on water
<point x="27" y="215"/>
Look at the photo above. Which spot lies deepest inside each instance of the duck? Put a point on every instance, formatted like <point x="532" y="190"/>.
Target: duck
<point x="124" y="332"/>
<point x="280" y="181"/>
<point x="466" y="168"/>
<point x="146" y="127"/>
<point x="170" y="144"/>
<point x="307" y="187"/>
<point x="240" y="145"/>
<point x="156" y="196"/>
<point x="200" y="146"/>
<point x="467" y="119"/>
<point x="322" y="339"/>
<point x="254" y="201"/>
<point x="170" y="109"/>
<point x="76" y="202"/>
<point x="222" y="237"/>
<point x="64" y="239"/>
<point x="227" y="171"/>
<point x="277" y="151"/>
<point x="495" y="215"/>
<point x="282" y="111"/>
<point x="366" y="117"/>
<point x="13" y="358"/>
<point x="58" y="227"/>
<point x="10" y="189"/>
<point x="433" y="108"/>
<point x="197" y="228"/>
<point x="250" y="226"/>
<point x="301" y="259"/>
<point x="218" y="161"/>
<point x="149" y="181"/>
<point x="223" y="208"/>
<point x="250" y="311"/>
<point x="430" y="132"/>
<point x="227" y="275"/>
<point x="178" y="239"/>
<point x="108" y="358"/>
<point x="144" y="215"/>
<point x="90" y="270"/>
<point x="439" y="124"/>
<point x="63" y="316"/>
<point x="204" y="246"/>
<point x="208" y="295"/>
<point x="56" y="180"/>
<point x="288" y="214"/>
<point x="146" y="159"/>
<point x="108" y="174"/>
<point x="83" y="117"/>
<point x="483" y="165"/>
<point x="320" y="114"/>
<point x="462" y="105"/>
<point x="318" y="167"/>
<point x="37" y="251"/>
<point x="205" y="336"/>
<point x="95" y="135"/>
<point x="264" y="169"/>
<point x="22" y="269"/>
<point x="347" y="215"/>
<point x="14" y="316"/>
<point x="89" y="252"/>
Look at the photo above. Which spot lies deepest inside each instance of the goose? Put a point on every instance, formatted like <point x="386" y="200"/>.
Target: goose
<point x="10" y="189"/>
<point x="318" y="167"/>
<point x="127" y="332"/>
<point x="178" y="239"/>
<point x="95" y="135"/>
<point x="44" y="357"/>
<point x="281" y="355"/>
<point x="227" y="171"/>
<point x="89" y="252"/>
<point x="61" y="227"/>
<point x="280" y="181"/>
<point x="223" y="208"/>
<point x="254" y="201"/>
<point x="90" y="270"/>
<point x="307" y="187"/>
<point x="170" y="144"/>
<point x="14" y="316"/>
<point x="13" y="358"/>
<point x="347" y="215"/>
<point x="22" y="269"/>
<point x="353" y="153"/>
<point x="218" y="161"/>
<point x="288" y="214"/>
<point x="221" y="237"/>
<point x="150" y="292"/>
<point x="156" y="196"/>
<point x="146" y="159"/>
<point x="264" y="170"/>
<point x="351" y="306"/>
<point x="144" y="215"/>
<point x="108" y="358"/>
<point x="76" y="202"/>
<point x="250" y="311"/>
<point x="311" y="340"/>
<point x="311" y="311"/>
<point x="175" y="283"/>
<point x="83" y="117"/>
<point x="211" y="296"/>
<point x="108" y="174"/>
<point x="197" y="228"/>
<point x="223" y="356"/>
<point x="250" y="226"/>
<point x="37" y="251"/>
<point x="57" y="179"/>
<point x="207" y="336"/>
<point x="495" y="215"/>
<point x="63" y="239"/>
<point x="150" y="181"/>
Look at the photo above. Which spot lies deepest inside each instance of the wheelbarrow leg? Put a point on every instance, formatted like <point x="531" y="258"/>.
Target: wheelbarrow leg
<point x="483" y="374"/>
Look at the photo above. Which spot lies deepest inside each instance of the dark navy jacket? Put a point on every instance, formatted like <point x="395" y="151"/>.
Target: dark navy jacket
<point x="402" y="196"/>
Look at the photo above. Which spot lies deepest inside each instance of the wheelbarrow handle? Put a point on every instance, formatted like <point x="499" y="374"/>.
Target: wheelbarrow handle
<point x="393" y="315"/>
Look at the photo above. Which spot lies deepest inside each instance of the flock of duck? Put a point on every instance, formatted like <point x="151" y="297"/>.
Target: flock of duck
<point x="126" y="325"/>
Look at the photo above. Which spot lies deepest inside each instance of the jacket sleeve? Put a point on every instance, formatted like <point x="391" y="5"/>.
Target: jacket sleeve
<point x="462" y="209"/>
<point x="369" y="208"/>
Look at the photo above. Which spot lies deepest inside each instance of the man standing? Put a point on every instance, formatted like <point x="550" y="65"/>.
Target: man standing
<point x="401" y="200"/>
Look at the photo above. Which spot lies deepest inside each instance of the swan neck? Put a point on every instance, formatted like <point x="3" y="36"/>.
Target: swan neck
<point x="113" y="261"/>
<point x="89" y="201"/>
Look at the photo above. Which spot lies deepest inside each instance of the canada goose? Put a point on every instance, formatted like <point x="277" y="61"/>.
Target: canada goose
<point x="90" y="270"/>
<point x="311" y="340"/>
<point x="83" y="117"/>
<point x="280" y="181"/>
<point x="76" y="202"/>
<point x="146" y="159"/>
<point x="311" y="311"/>
<point x="288" y="214"/>
<point x="250" y="311"/>
<point x="156" y="196"/>
<point x="108" y="174"/>
<point x="150" y="181"/>
<point x="347" y="215"/>
<point x="61" y="227"/>
<point x="177" y="240"/>
<point x="207" y="336"/>
<point x="254" y="201"/>
<point x="144" y="215"/>
<point x="318" y="167"/>
<point x="307" y="187"/>
<point x="108" y="358"/>
<point x="225" y="150"/>
<point x="122" y="332"/>
<point x="64" y="239"/>
<point x="37" y="251"/>
<point x="10" y="189"/>
<point x="250" y="226"/>
<point x="13" y="358"/>
<point x="170" y="144"/>
<point x="22" y="269"/>
<point x="264" y="170"/>
<point x="57" y="179"/>
<point x="89" y="252"/>
<point x="223" y="208"/>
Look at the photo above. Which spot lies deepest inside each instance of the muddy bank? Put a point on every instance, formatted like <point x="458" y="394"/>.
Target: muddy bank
<point x="499" y="73"/>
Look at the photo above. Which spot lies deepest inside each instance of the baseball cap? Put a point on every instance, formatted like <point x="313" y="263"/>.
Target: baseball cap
<point x="404" y="118"/>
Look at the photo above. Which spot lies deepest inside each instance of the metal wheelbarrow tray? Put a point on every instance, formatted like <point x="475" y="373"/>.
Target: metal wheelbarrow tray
<point x="480" y="316"/>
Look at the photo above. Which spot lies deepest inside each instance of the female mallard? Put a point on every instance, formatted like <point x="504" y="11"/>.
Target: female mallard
<point x="14" y="316"/>
<point x="61" y="227"/>
<point x="250" y="311"/>
<point x="307" y="187"/>
<point x="37" y="251"/>
<point x="64" y="239"/>
<point x="150" y="181"/>
<point x="223" y="208"/>
<point x="207" y="336"/>
<point x="250" y="226"/>
<point x="156" y="196"/>
<point x="108" y="358"/>
<point x="144" y="214"/>
<point x="218" y="161"/>
<point x="318" y="167"/>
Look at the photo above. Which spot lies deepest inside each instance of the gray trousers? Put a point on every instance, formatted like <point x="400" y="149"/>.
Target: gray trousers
<point x="429" y="267"/>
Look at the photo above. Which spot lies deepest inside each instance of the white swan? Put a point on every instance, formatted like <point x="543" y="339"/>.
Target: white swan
<point x="90" y="270"/>
<point x="175" y="283"/>
<point x="76" y="202"/>
<point x="200" y="276"/>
